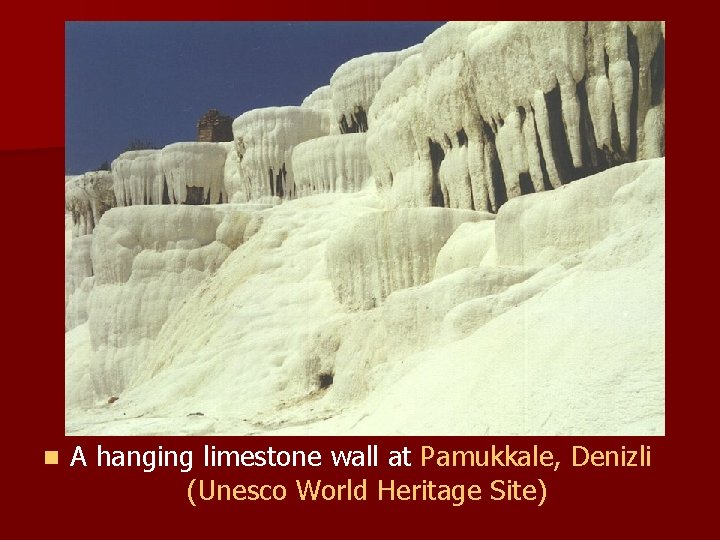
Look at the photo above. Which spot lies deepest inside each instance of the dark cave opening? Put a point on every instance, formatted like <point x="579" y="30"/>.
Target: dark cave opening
<point x="325" y="380"/>
<point x="436" y="157"/>
<point x="547" y="186"/>
<point x="195" y="195"/>
<point x="657" y="73"/>
<point x="526" y="185"/>
<point x="593" y="160"/>
<point x="280" y="181"/>
<point x="558" y="135"/>
<point x="497" y="178"/>
<point x="462" y="137"/>
<point x="358" y="122"/>
<point x="634" y="58"/>
<point x="165" y="195"/>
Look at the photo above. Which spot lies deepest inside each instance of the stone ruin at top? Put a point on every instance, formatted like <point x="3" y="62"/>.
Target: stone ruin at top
<point x="214" y="127"/>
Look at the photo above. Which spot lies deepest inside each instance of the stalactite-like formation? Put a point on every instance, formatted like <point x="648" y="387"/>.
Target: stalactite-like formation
<point x="336" y="163"/>
<point x="539" y="105"/>
<point x="180" y="173"/>
<point x="87" y="198"/>
<point x="354" y="84"/>
<point x="264" y="142"/>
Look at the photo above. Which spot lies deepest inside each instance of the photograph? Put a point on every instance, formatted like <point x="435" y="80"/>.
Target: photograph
<point x="365" y="228"/>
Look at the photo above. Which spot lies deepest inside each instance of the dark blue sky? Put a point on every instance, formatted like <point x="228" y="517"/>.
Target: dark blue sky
<point x="153" y="80"/>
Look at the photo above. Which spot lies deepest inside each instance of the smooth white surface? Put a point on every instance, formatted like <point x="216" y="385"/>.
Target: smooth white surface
<point x="569" y="341"/>
<point x="78" y="280"/>
<point x="145" y="260"/>
<point x="320" y="100"/>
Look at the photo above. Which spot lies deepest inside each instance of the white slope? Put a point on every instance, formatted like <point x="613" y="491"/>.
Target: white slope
<point x="543" y="229"/>
<point x="576" y="349"/>
<point x="510" y="337"/>
<point x="78" y="280"/>
<point x="78" y="274"/>
<point x="144" y="261"/>
<point x="472" y="244"/>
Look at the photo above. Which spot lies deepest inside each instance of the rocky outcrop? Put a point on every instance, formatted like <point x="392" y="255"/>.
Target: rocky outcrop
<point x="87" y="198"/>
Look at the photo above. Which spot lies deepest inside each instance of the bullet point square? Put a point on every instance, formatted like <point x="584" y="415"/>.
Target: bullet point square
<point x="51" y="457"/>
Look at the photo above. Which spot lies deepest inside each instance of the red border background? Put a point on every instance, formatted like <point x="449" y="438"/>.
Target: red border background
<point x="112" y="502"/>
